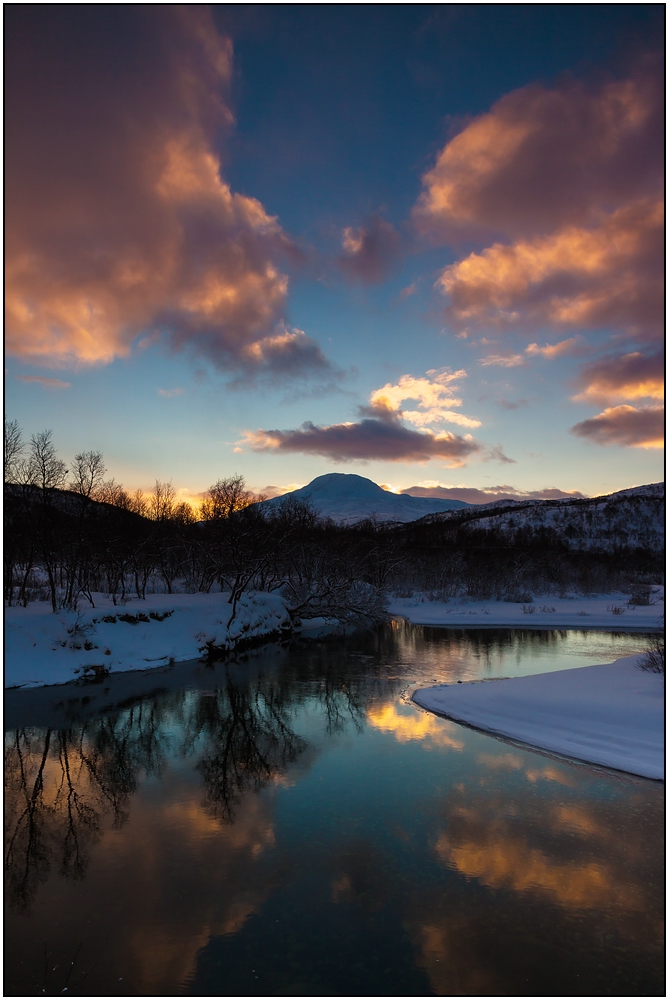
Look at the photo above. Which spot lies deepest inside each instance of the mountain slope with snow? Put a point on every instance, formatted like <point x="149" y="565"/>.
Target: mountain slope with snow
<point x="348" y="498"/>
<point x="629" y="519"/>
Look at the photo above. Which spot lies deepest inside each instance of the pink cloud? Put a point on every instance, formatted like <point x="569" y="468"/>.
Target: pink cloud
<point x="385" y="440"/>
<point x="611" y="275"/>
<point x="565" y="184"/>
<point x="118" y="222"/>
<point x="629" y="426"/>
<point x="473" y="495"/>
<point x="369" y="251"/>
<point x="542" y="159"/>
<point x="48" y="383"/>
<point x="627" y="376"/>
<point x="574" y="345"/>
<point x="383" y="434"/>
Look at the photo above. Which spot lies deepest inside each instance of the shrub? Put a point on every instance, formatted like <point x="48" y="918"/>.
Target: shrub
<point x="641" y="596"/>
<point x="653" y="658"/>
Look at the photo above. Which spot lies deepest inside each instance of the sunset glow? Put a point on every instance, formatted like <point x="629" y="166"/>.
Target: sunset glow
<point x="281" y="284"/>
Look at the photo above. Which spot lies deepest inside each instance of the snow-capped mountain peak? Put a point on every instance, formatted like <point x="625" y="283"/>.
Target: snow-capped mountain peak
<point x="348" y="498"/>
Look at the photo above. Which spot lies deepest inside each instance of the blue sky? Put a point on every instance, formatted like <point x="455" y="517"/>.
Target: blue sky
<point x="358" y="130"/>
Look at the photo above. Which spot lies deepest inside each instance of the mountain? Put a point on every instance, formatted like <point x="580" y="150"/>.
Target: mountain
<point x="348" y="498"/>
<point x="629" y="519"/>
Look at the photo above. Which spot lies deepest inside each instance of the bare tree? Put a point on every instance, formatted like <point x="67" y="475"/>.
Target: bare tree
<point x="13" y="449"/>
<point x="138" y="504"/>
<point x="226" y="497"/>
<point x="113" y="493"/>
<point x="162" y="501"/>
<point x="45" y="469"/>
<point x="88" y="473"/>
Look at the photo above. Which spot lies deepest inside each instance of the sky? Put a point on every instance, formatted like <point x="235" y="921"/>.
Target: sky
<point x="421" y="243"/>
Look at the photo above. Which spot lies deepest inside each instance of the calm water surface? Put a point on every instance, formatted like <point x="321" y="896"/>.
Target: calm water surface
<point x="290" y="824"/>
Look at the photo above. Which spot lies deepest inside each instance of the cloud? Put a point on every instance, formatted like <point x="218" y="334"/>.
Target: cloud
<point x="409" y="290"/>
<point x="627" y="376"/>
<point x="382" y="432"/>
<point x="369" y="251"/>
<point x="48" y="383"/>
<point x="565" y="347"/>
<point x="495" y="453"/>
<point x="268" y="492"/>
<point x="370" y="438"/>
<point x="542" y="159"/>
<point x="170" y="393"/>
<point x="607" y="276"/>
<point x="565" y="185"/>
<point x="509" y="404"/>
<point x="430" y="488"/>
<point x="118" y="222"/>
<point x="435" y="396"/>
<point x="503" y="360"/>
<point x="629" y="426"/>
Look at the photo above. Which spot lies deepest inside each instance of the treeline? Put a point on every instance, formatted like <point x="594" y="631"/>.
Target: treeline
<point x="70" y="533"/>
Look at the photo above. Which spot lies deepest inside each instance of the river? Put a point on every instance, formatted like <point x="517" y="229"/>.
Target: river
<point x="291" y="824"/>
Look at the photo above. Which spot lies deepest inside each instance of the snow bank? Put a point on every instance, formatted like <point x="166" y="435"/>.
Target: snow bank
<point x="611" y="714"/>
<point x="604" y="611"/>
<point x="46" y="648"/>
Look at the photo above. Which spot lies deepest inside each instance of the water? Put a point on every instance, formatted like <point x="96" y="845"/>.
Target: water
<point x="292" y="825"/>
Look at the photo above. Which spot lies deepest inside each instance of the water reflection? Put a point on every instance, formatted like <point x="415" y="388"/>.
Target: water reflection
<point x="403" y="722"/>
<point x="60" y="784"/>
<point x="552" y="866"/>
<point x="279" y="828"/>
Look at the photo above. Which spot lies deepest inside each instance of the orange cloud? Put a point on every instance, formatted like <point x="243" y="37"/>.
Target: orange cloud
<point x="118" y="223"/>
<point x="565" y="347"/>
<point x="628" y="376"/>
<point x="610" y="275"/>
<point x="566" y="183"/>
<point x="543" y="159"/>
<point x="629" y="426"/>
<point x="381" y="433"/>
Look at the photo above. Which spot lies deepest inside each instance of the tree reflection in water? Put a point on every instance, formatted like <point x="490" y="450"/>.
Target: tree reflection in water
<point x="62" y="784"/>
<point x="432" y="856"/>
<point x="59" y="785"/>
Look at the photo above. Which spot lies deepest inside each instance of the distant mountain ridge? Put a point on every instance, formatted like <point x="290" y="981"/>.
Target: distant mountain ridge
<point x="631" y="518"/>
<point x="348" y="499"/>
<point x="471" y="495"/>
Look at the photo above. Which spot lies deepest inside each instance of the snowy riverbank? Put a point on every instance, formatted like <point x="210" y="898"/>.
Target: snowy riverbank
<point x="46" y="648"/>
<point x="602" y="611"/>
<point x="611" y="714"/>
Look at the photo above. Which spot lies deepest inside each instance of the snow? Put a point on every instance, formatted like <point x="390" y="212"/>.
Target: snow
<point x="549" y="612"/>
<point x="632" y="518"/>
<point x="348" y="498"/>
<point x="611" y="714"/>
<point x="46" y="648"/>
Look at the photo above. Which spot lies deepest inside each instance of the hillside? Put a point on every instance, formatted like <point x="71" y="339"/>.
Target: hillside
<point x="629" y="519"/>
<point x="348" y="499"/>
